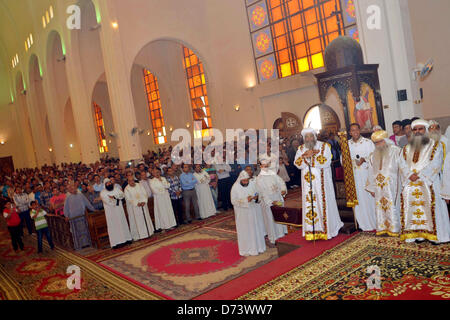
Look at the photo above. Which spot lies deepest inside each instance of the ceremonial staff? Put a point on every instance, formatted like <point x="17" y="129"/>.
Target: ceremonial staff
<point x="145" y="219"/>
<point x="312" y="200"/>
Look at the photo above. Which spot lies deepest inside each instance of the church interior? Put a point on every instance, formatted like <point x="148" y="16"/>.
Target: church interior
<point x="89" y="87"/>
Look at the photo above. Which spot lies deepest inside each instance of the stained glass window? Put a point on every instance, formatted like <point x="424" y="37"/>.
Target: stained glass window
<point x="100" y="126"/>
<point x="291" y="35"/>
<point x="154" y="106"/>
<point x="197" y="89"/>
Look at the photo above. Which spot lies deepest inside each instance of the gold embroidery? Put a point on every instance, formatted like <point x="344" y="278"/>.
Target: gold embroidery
<point x="419" y="213"/>
<point x="417" y="194"/>
<point x="418" y="222"/>
<point x="416" y="184"/>
<point x="385" y="204"/>
<point x="285" y="216"/>
<point x="309" y="177"/>
<point x="299" y="161"/>
<point x="434" y="150"/>
<point x="321" y="159"/>
<point x="381" y="181"/>
<point x="417" y="203"/>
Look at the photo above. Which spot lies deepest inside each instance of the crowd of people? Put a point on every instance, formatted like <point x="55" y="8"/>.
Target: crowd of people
<point x="181" y="194"/>
<point x="400" y="186"/>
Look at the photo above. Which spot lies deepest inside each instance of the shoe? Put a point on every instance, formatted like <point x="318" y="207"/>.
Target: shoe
<point x="420" y="241"/>
<point x="434" y="243"/>
<point x="129" y="242"/>
<point x="158" y="231"/>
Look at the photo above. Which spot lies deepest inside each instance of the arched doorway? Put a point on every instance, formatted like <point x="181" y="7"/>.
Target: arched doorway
<point x="322" y="118"/>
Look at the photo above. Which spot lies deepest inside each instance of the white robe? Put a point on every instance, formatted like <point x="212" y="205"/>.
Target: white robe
<point x="141" y="225"/>
<point x="250" y="236"/>
<point x="327" y="221"/>
<point x="164" y="215"/>
<point x="258" y="206"/>
<point x="445" y="191"/>
<point x="386" y="184"/>
<point x="365" y="210"/>
<point x="118" y="230"/>
<point x="424" y="214"/>
<point x="206" y="204"/>
<point x="269" y="187"/>
<point x="146" y="185"/>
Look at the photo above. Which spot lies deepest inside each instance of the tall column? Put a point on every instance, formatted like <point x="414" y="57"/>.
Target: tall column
<point x="391" y="45"/>
<point x="37" y="128"/>
<point x="119" y="86"/>
<point x="82" y="107"/>
<point x="24" y="131"/>
<point x="55" y="114"/>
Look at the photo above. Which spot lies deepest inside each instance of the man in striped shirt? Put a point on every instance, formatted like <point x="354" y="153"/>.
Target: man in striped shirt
<point x="38" y="215"/>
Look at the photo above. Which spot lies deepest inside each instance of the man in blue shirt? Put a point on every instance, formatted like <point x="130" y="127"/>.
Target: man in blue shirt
<point x="188" y="183"/>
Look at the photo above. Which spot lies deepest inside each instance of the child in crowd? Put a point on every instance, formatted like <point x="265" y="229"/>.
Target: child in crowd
<point x="38" y="215"/>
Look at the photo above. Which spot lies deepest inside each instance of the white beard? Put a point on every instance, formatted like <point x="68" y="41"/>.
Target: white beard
<point x="436" y="136"/>
<point x="310" y="144"/>
<point x="379" y="154"/>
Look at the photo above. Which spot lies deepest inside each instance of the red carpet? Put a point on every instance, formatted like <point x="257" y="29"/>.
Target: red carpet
<point x="406" y="271"/>
<point x="188" y="265"/>
<point x="258" y="277"/>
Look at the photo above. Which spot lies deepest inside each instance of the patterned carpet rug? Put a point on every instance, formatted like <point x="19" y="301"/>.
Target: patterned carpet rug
<point x="407" y="272"/>
<point x="187" y="265"/>
<point x="30" y="276"/>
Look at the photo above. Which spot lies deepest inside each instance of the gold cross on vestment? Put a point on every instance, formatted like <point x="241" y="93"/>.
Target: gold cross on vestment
<point x="417" y="193"/>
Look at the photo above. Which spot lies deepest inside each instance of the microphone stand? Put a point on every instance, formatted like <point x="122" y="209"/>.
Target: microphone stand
<point x="312" y="201"/>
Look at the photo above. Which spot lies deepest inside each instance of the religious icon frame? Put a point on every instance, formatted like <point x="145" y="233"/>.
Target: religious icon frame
<point x="348" y="82"/>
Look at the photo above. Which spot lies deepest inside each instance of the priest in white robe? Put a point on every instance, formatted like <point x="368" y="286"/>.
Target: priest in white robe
<point x="257" y="204"/>
<point x="247" y="211"/>
<point x="206" y="204"/>
<point x="360" y="151"/>
<point x="424" y="214"/>
<point x="384" y="184"/>
<point x="141" y="225"/>
<point x="321" y="220"/>
<point x="445" y="191"/>
<point x="164" y="215"/>
<point x="271" y="189"/>
<point x="118" y="230"/>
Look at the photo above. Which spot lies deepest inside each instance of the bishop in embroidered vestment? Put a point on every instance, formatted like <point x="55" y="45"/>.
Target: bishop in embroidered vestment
<point x="384" y="184"/>
<point x="424" y="214"/>
<point x="319" y="202"/>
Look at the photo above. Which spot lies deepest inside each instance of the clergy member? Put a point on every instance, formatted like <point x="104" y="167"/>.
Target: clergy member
<point x="445" y="192"/>
<point x="118" y="230"/>
<point x="141" y="225"/>
<point x="319" y="202"/>
<point x="271" y="189"/>
<point x="164" y="215"/>
<point x="206" y="204"/>
<point x="244" y="198"/>
<point x="74" y="211"/>
<point x="360" y="151"/>
<point x="384" y="184"/>
<point x="423" y="215"/>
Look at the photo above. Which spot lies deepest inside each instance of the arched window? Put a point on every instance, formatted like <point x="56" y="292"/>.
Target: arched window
<point x="100" y="126"/>
<point x="154" y="107"/>
<point x="197" y="89"/>
<point x="312" y="119"/>
<point x="290" y="36"/>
